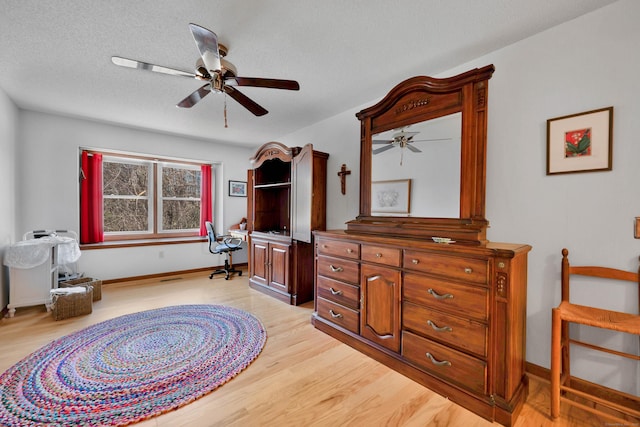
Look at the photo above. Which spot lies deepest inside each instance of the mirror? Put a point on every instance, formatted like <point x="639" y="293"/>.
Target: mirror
<point x="423" y="159"/>
<point x="427" y="154"/>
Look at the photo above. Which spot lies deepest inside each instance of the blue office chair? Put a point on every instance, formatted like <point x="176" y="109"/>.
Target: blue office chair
<point x="223" y="245"/>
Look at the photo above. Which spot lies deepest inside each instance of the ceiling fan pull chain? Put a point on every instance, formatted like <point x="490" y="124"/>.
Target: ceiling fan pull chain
<point x="225" y="110"/>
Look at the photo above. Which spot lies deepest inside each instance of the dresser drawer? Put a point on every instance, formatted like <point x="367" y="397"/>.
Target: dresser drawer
<point x="339" y="292"/>
<point x="340" y="315"/>
<point x="445" y="362"/>
<point x="463" y="333"/>
<point x="467" y="269"/>
<point x="459" y="299"/>
<point x="381" y="255"/>
<point x="338" y="248"/>
<point x="339" y="269"/>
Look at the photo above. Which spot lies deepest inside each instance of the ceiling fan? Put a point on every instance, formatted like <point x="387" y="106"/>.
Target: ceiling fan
<point x="219" y="74"/>
<point x="403" y="140"/>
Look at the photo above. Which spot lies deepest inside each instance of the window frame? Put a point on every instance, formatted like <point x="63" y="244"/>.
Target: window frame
<point x="155" y="205"/>
<point x="160" y="198"/>
<point x="110" y="158"/>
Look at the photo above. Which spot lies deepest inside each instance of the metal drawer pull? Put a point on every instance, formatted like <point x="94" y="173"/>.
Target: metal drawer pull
<point x="439" y="328"/>
<point x="468" y="270"/>
<point x="379" y="255"/>
<point x="336" y="269"/>
<point x="415" y="261"/>
<point x="438" y="296"/>
<point x="336" y="315"/>
<point x="324" y="246"/>
<point x="349" y="250"/>
<point x="334" y="292"/>
<point x="438" y="362"/>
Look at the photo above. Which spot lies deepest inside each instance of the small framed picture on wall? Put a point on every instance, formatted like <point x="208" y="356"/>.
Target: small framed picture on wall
<point x="237" y="188"/>
<point x="580" y="142"/>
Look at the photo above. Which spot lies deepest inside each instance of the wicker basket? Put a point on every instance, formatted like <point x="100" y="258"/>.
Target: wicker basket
<point x="71" y="305"/>
<point x="97" y="285"/>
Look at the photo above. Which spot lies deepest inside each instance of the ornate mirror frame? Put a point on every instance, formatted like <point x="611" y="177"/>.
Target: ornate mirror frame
<point x="416" y="100"/>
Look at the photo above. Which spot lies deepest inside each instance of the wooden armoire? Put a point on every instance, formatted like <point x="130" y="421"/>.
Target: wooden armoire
<point x="286" y="202"/>
<point x="429" y="296"/>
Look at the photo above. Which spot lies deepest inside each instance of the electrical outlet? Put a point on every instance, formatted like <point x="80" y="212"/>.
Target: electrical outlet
<point x="161" y="254"/>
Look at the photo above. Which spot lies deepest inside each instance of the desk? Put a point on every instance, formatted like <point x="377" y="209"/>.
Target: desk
<point x="239" y="234"/>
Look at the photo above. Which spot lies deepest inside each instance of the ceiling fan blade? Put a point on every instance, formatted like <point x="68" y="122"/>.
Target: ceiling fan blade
<point x="381" y="141"/>
<point x="131" y="63"/>
<point x="207" y="42"/>
<point x="260" y="82"/>
<point x="195" y="97"/>
<point x="245" y="101"/>
<point x="414" y="149"/>
<point x="382" y="149"/>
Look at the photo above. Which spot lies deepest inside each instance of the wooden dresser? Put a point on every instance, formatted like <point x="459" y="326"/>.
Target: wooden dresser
<point x="452" y="317"/>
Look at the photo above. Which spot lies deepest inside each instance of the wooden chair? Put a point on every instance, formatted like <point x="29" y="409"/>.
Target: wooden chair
<point x="567" y="313"/>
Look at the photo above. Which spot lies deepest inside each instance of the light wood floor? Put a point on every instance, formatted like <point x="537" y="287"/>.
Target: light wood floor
<point x="303" y="377"/>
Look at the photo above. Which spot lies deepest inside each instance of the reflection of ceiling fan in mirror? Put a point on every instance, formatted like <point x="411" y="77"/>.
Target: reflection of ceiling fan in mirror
<point x="403" y="140"/>
<point x="219" y="74"/>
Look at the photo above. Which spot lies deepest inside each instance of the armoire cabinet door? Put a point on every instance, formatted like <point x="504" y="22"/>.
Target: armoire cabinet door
<point x="380" y="318"/>
<point x="279" y="266"/>
<point x="259" y="271"/>
<point x="302" y="192"/>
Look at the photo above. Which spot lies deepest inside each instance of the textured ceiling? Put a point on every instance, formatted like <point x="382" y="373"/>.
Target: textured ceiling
<point x="55" y="54"/>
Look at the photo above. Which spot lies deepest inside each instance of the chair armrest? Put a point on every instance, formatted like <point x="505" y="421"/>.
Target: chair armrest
<point x="234" y="241"/>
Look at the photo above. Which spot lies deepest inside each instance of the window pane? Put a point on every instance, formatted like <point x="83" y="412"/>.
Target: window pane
<point x="178" y="182"/>
<point x="125" y="179"/>
<point x="180" y="214"/>
<point x="126" y="215"/>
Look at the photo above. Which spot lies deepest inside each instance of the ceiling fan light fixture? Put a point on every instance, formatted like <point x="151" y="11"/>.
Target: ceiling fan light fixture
<point x="215" y="71"/>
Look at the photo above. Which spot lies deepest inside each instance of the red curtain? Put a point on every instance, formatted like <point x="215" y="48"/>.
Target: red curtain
<point x="91" y="230"/>
<point x="205" y="197"/>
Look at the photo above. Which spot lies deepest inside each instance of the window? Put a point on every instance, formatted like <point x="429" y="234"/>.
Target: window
<point x="150" y="198"/>
<point x="126" y="186"/>
<point x="180" y="198"/>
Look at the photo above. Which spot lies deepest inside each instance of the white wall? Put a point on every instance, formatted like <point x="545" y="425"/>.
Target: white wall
<point x="578" y="66"/>
<point x="8" y="125"/>
<point x="47" y="172"/>
<point x="581" y="65"/>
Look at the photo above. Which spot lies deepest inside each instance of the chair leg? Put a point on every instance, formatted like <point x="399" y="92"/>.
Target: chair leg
<point x="224" y="270"/>
<point x="556" y="356"/>
<point x="565" y="348"/>
<point x="227" y="270"/>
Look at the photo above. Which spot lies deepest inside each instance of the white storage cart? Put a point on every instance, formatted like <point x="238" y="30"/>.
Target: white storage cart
<point x="34" y="264"/>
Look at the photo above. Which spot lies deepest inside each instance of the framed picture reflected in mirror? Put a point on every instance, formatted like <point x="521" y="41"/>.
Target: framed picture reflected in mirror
<point x="391" y="197"/>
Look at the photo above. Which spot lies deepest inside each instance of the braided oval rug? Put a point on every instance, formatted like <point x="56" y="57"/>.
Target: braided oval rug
<point x="130" y="368"/>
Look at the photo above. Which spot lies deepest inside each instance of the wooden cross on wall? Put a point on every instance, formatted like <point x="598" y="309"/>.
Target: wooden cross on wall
<point x="343" y="175"/>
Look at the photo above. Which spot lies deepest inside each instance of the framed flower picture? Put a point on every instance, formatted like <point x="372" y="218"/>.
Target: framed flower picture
<point x="580" y="142"/>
